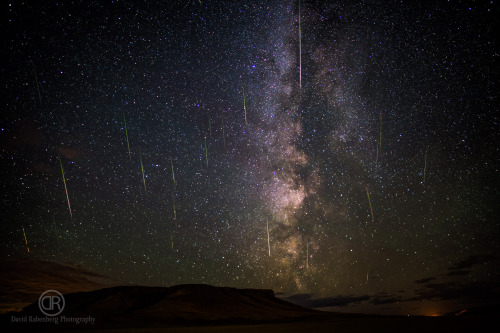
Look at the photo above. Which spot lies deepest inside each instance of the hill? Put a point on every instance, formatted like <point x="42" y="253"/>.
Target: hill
<point x="22" y="281"/>
<point x="182" y="305"/>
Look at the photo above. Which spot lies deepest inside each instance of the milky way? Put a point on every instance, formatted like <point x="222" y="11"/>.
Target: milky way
<point x="212" y="142"/>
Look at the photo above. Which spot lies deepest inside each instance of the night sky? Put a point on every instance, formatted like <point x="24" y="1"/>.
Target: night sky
<point x="351" y="163"/>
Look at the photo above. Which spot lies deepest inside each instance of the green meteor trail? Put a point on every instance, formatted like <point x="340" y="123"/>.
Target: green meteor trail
<point x="126" y="134"/>
<point x="142" y="170"/>
<point x="25" y="239"/>
<point x="370" y="202"/>
<point x="65" y="188"/>
<point x="173" y="173"/>
<point x="175" y="214"/>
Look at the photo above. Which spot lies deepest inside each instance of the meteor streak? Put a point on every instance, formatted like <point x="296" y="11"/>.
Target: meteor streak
<point x="206" y="151"/>
<point x="175" y="214"/>
<point x="307" y="254"/>
<point x="37" y="84"/>
<point x="369" y="201"/>
<point x="379" y="146"/>
<point x="300" y="52"/>
<point x="223" y="134"/>
<point x="65" y="188"/>
<point x="268" y="244"/>
<point x="244" y="103"/>
<point x="25" y="239"/>
<point x="425" y="162"/>
<point x="173" y="173"/>
<point x="126" y="134"/>
<point x="143" y="179"/>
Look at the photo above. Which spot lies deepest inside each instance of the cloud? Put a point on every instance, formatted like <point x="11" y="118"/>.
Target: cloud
<point x="458" y="273"/>
<point x="385" y="300"/>
<point x="299" y="297"/>
<point x="306" y="300"/>
<point x="484" y="291"/>
<point x="426" y="280"/>
<point x="472" y="261"/>
<point x="456" y="286"/>
<point x="464" y="267"/>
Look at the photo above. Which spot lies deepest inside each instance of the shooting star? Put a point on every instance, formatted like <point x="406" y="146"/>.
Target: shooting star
<point x="173" y="173"/>
<point x="126" y="134"/>
<point x="425" y="162"/>
<point x="244" y="103"/>
<point x="65" y="188"/>
<point x="379" y="145"/>
<point x="206" y="151"/>
<point x="175" y="213"/>
<point x="223" y="134"/>
<point x="370" y="202"/>
<point x="307" y="254"/>
<point x="25" y="239"/>
<point x="142" y="170"/>
<point x="37" y="84"/>
<point x="268" y="243"/>
<point x="172" y="241"/>
<point x="300" y="52"/>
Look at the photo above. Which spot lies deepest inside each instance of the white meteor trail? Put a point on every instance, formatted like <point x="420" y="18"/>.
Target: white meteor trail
<point x="300" y="52"/>
<point x="65" y="188"/>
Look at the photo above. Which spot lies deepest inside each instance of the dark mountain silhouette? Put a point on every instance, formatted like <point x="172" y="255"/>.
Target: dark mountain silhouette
<point x="23" y="280"/>
<point x="195" y="304"/>
<point x="192" y="308"/>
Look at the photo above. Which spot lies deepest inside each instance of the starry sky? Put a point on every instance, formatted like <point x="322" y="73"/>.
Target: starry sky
<point x="343" y="153"/>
